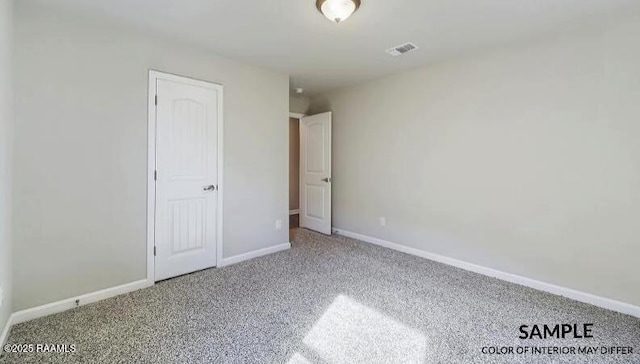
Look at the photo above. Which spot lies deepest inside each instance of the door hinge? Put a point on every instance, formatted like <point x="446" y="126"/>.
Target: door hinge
<point x="155" y="175"/>
<point x="156" y="100"/>
<point x="154" y="251"/>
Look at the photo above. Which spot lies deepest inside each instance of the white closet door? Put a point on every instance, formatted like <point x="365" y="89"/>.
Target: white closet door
<point x="187" y="180"/>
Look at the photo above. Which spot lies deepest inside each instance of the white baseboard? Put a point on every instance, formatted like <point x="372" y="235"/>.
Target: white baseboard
<point x="67" y="304"/>
<point x="589" y="298"/>
<point x="254" y="254"/>
<point x="5" y="332"/>
<point x="294" y="212"/>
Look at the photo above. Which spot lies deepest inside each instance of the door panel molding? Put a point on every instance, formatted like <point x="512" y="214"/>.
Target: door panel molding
<point x="154" y="77"/>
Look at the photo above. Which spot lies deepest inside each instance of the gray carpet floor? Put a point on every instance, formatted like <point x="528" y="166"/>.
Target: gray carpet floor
<point x="327" y="300"/>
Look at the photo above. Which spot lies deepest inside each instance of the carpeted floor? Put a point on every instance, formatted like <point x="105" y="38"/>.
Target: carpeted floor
<point x="327" y="300"/>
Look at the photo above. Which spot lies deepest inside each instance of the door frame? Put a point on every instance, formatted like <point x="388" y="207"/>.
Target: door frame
<point x="154" y="76"/>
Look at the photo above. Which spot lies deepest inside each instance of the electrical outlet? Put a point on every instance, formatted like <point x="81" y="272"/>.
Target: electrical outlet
<point x="278" y="224"/>
<point x="383" y="221"/>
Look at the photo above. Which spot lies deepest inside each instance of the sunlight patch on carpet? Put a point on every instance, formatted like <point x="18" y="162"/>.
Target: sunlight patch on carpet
<point x="352" y="332"/>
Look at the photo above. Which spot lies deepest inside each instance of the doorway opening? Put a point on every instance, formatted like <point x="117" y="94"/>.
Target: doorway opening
<point x="310" y="179"/>
<point x="294" y="170"/>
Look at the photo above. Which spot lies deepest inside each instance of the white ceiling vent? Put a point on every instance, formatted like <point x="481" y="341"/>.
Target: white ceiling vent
<point x="402" y="49"/>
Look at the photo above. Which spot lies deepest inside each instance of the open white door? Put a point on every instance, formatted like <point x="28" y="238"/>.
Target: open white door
<point x="187" y="116"/>
<point x="315" y="173"/>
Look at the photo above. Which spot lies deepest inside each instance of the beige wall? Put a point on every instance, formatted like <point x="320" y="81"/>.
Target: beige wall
<point x="81" y="152"/>
<point x="525" y="160"/>
<point x="6" y="141"/>
<point x="294" y="164"/>
<point x="299" y="104"/>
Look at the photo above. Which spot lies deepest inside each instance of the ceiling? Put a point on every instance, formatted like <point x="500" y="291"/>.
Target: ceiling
<point x="290" y="35"/>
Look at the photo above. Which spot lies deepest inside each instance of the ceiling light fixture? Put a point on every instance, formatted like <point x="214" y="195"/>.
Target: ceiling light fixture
<point x="337" y="10"/>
